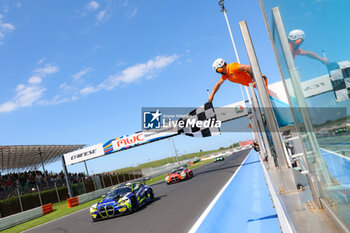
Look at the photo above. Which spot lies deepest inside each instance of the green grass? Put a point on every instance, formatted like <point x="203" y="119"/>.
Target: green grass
<point x="162" y="162"/>
<point x="156" y="179"/>
<point x="61" y="209"/>
<point x="162" y="177"/>
<point x="201" y="163"/>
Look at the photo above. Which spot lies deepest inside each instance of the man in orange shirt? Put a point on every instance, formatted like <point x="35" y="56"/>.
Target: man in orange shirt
<point x="295" y="39"/>
<point x="236" y="73"/>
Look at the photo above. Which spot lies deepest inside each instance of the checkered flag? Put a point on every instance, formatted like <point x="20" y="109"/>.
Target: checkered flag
<point x="200" y="122"/>
<point x="340" y="79"/>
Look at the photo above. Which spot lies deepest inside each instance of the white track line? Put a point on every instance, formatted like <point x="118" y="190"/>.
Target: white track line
<point x="211" y="205"/>
<point x="344" y="157"/>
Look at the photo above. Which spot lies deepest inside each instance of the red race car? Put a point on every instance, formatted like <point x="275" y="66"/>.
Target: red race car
<point x="178" y="175"/>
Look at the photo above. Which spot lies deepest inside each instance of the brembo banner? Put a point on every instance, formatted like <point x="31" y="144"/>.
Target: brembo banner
<point x="84" y="154"/>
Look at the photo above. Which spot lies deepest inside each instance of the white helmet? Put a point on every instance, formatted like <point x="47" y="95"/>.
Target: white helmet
<point x="218" y="63"/>
<point x="296" y="34"/>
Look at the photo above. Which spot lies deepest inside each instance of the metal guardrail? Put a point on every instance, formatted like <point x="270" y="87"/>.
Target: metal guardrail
<point x="19" y="218"/>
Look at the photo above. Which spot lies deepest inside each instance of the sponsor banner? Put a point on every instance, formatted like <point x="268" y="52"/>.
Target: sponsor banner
<point x="232" y="111"/>
<point x="84" y="154"/>
<point x="316" y="86"/>
<point x="139" y="138"/>
<point x="310" y="88"/>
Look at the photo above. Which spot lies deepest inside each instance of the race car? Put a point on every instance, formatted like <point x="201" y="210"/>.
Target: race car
<point x="178" y="175"/>
<point x="220" y="158"/>
<point x="126" y="198"/>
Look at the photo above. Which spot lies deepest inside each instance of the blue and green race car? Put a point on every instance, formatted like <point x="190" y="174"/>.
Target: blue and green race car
<point x="220" y="158"/>
<point x="126" y="198"/>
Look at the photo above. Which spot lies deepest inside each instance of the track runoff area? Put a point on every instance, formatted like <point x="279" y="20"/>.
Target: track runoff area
<point x="176" y="208"/>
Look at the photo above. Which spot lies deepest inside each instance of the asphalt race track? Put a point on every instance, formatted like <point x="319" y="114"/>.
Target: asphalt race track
<point x="175" y="209"/>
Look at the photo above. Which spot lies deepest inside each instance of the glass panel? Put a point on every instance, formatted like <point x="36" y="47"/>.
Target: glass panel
<point x="313" y="53"/>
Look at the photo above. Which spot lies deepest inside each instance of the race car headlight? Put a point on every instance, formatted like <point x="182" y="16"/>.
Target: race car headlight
<point x="93" y="208"/>
<point x="123" y="201"/>
<point x="166" y="178"/>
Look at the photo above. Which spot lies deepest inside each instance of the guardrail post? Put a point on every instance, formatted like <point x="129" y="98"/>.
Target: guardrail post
<point x="82" y="180"/>
<point x="58" y="196"/>
<point x="19" y="199"/>
<point x="41" y="202"/>
<point x="93" y="181"/>
<point x="66" y="175"/>
<point x="103" y="181"/>
<point x="117" y="178"/>
<point x="110" y="179"/>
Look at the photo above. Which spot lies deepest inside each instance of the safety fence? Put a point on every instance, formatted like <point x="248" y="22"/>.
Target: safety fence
<point x="20" y="202"/>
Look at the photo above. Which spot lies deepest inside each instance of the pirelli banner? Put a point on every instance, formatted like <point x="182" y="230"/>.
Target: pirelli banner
<point x="81" y="155"/>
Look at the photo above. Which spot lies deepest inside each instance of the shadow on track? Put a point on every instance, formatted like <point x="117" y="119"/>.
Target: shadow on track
<point x="263" y="218"/>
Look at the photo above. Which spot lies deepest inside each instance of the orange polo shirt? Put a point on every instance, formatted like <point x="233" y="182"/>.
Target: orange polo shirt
<point x="240" y="77"/>
<point x="236" y="76"/>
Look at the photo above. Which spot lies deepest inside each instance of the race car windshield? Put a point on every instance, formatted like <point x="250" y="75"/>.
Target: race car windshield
<point x="176" y="170"/>
<point x="118" y="192"/>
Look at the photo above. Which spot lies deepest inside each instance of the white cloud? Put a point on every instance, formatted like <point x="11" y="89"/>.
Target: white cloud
<point x="66" y="87"/>
<point x="8" y="107"/>
<point x="88" y="90"/>
<point x="41" y="61"/>
<point x="101" y="15"/>
<point x="133" y="13"/>
<point x="48" y="69"/>
<point x="28" y="95"/>
<point x="57" y="100"/>
<point x="20" y="87"/>
<point x="32" y="93"/>
<point x="93" y="5"/>
<point x="134" y="73"/>
<point x="5" y="28"/>
<point x="34" y="80"/>
<point x="80" y="73"/>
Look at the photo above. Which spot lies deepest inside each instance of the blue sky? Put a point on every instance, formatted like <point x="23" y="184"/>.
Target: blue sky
<point x="79" y="72"/>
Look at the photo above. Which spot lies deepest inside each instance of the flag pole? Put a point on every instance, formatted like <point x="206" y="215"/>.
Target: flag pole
<point x="221" y="4"/>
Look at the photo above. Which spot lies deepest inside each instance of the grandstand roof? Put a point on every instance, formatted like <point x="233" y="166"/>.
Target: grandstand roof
<point x="21" y="157"/>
